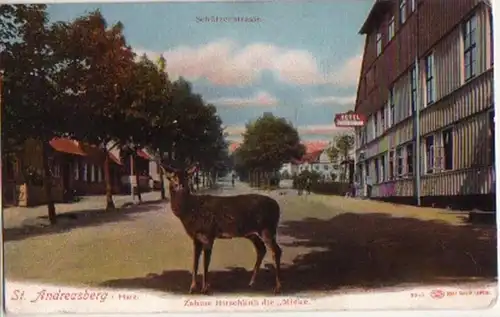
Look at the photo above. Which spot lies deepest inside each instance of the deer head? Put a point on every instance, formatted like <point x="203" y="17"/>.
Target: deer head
<point x="178" y="186"/>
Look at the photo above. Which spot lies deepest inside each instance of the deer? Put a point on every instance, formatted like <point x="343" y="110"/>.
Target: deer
<point x="206" y="218"/>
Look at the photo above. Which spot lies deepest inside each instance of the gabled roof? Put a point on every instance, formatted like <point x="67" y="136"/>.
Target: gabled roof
<point x="311" y="157"/>
<point x="73" y="147"/>
<point x="144" y="155"/>
<point x="67" y="146"/>
<point x="379" y="8"/>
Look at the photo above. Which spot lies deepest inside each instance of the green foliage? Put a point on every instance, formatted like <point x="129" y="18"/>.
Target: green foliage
<point x="81" y="79"/>
<point x="268" y="143"/>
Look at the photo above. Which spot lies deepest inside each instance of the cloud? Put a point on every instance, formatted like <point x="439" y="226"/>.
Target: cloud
<point x="336" y="100"/>
<point x="262" y="98"/>
<point x="224" y="63"/>
<point x="235" y="131"/>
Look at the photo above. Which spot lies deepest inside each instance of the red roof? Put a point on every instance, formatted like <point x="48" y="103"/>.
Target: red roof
<point x="74" y="147"/>
<point x="67" y="146"/>
<point x="309" y="157"/>
<point x="143" y="154"/>
<point x="311" y="146"/>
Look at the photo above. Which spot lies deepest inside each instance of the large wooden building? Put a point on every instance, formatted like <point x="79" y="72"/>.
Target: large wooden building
<point x="426" y="85"/>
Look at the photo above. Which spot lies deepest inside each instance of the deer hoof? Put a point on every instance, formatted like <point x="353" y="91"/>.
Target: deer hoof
<point x="193" y="288"/>
<point x="277" y="289"/>
<point x="206" y="289"/>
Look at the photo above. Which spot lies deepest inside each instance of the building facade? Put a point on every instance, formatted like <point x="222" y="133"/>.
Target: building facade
<point x="426" y="87"/>
<point x="76" y="168"/>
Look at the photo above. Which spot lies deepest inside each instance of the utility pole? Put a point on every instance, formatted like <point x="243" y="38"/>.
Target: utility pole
<point x="416" y="118"/>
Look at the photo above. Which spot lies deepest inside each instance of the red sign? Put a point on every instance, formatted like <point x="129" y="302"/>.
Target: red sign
<point x="349" y="119"/>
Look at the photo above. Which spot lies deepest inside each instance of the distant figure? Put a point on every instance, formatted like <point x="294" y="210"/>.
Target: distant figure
<point x="368" y="187"/>
<point x="197" y="181"/>
<point x="308" y="185"/>
<point x="232" y="179"/>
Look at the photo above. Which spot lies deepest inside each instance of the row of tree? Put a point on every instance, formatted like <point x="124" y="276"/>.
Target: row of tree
<point x="80" y="79"/>
<point x="268" y="143"/>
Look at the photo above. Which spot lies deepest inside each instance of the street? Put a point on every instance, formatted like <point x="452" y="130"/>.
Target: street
<point x="329" y="244"/>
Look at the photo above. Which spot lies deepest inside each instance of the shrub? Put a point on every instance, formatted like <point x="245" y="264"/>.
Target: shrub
<point x="330" y="188"/>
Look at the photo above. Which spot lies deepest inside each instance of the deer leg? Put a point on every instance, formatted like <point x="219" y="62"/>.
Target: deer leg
<point x="197" y="252"/>
<point x="260" y="248"/>
<point x="270" y="241"/>
<point x="207" y="255"/>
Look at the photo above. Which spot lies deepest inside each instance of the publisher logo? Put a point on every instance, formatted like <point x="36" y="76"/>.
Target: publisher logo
<point x="437" y="294"/>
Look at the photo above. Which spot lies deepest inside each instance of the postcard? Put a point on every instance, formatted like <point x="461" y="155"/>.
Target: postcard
<point x="248" y="156"/>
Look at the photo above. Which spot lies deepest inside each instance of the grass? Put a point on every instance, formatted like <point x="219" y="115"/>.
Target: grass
<point x="328" y="243"/>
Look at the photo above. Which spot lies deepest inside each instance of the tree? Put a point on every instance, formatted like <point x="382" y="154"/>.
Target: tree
<point x="33" y="108"/>
<point x="333" y="153"/>
<point x="269" y="142"/>
<point x="95" y="73"/>
<point x="345" y="144"/>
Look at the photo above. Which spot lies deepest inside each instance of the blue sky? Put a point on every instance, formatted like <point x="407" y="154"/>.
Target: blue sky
<point x="297" y="59"/>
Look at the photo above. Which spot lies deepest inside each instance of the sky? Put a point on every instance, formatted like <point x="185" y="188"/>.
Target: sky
<point x="297" y="59"/>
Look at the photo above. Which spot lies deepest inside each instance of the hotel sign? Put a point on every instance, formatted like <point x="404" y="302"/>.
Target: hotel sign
<point x="349" y="119"/>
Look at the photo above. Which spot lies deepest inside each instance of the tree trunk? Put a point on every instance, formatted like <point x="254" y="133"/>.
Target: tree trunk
<point x="110" y="205"/>
<point x="197" y="180"/>
<point x="138" y="188"/>
<point x="47" y="184"/>
<point x="162" y="183"/>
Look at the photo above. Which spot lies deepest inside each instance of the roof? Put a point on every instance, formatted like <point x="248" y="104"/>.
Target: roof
<point x="144" y="155"/>
<point x="74" y="147"/>
<point x="311" y="157"/>
<point x="114" y="158"/>
<point x="379" y="8"/>
<point x="67" y="146"/>
<point x="311" y="146"/>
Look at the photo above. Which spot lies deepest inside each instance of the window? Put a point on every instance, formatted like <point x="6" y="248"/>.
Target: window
<point x="326" y="167"/>
<point x="99" y="174"/>
<point x="430" y="83"/>
<point x="492" y="57"/>
<point x="392" y="28"/>
<point x="375" y="124"/>
<point x="399" y="162"/>
<point x="76" y="170"/>
<point x="429" y="154"/>
<point x="377" y="170"/>
<point x="391" y="108"/>
<point x="383" y="162"/>
<point x="402" y="11"/>
<point x="56" y="170"/>
<point x="409" y="159"/>
<point x="92" y="173"/>
<point x="413" y="88"/>
<point x="391" y="165"/>
<point x="382" y="119"/>
<point x="379" y="43"/>
<point x="470" y="49"/>
<point x="85" y="172"/>
<point x="413" y="5"/>
<point x="491" y="133"/>
<point x="448" y="148"/>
